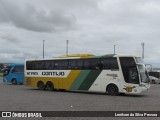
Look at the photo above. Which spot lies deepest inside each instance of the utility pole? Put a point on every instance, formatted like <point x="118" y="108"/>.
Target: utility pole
<point x="143" y="50"/>
<point x="114" y="49"/>
<point x="43" y="49"/>
<point x="67" y="43"/>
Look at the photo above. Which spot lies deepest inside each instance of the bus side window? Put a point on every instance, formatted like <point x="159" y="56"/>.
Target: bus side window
<point x="110" y="63"/>
<point x="73" y="65"/>
<point x="56" y="65"/>
<point x="80" y="64"/>
<point x="61" y="65"/>
<point x="15" y="69"/>
<point x="93" y="63"/>
<point x="100" y="64"/>
<point x="18" y="69"/>
<point x="48" y="65"/>
<point x="39" y="65"/>
<point x="64" y="65"/>
<point x="86" y="64"/>
<point x="30" y="65"/>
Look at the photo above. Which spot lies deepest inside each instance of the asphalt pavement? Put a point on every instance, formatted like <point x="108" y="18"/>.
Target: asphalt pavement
<point x="23" y="98"/>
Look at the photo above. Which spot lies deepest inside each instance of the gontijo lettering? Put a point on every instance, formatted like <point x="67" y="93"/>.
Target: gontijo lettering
<point x="53" y="73"/>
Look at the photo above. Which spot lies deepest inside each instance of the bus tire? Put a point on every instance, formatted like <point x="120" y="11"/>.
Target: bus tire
<point x="112" y="89"/>
<point x="41" y="85"/>
<point x="14" y="81"/>
<point x="49" y="86"/>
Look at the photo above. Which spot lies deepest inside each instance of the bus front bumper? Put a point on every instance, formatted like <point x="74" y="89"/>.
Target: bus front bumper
<point x="5" y="80"/>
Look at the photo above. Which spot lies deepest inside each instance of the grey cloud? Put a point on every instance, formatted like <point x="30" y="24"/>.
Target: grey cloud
<point x="9" y="38"/>
<point x="9" y="52"/>
<point x="35" y="19"/>
<point x="92" y="26"/>
<point x="130" y="13"/>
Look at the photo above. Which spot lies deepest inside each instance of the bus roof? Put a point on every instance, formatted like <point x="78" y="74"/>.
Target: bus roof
<point x="15" y="64"/>
<point x="80" y="56"/>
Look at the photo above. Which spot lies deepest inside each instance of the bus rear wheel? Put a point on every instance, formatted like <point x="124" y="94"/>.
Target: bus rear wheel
<point x="14" y="82"/>
<point x="49" y="86"/>
<point x="41" y="85"/>
<point x="112" y="90"/>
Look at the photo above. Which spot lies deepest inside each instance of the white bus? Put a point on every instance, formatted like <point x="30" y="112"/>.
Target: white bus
<point x="111" y="74"/>
<point x="154" y="77"/>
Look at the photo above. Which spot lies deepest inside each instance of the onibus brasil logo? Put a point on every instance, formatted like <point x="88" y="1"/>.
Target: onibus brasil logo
<point x="21" y="114"/>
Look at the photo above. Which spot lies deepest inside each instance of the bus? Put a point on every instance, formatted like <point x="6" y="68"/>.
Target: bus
<point x="111" y="74"/>
<point x="14" y="74"/>
<point x="154" y="77"/>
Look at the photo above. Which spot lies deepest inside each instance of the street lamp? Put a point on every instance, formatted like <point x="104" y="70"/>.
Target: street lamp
<point x="43" y="49"/>
<point x="114" y="49"/>
<point x="67" y="42"/>
<point x="142" y="50"/>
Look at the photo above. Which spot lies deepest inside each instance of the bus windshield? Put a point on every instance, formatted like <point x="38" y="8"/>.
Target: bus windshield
<point x="129" y="70"/>
<point x="6" y="70"/>
<point x="143" y="73"/>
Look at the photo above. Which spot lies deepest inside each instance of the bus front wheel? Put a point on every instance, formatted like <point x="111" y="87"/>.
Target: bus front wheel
<point x="14" y="82"/>
<point x="49" y="86"/>
<point x="40" y="85"/>
<point x="112" y="89"/>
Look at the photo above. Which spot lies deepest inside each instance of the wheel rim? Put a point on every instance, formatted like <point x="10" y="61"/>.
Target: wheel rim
<point x="41" y="86"/>
<point x="112" y="90"/>
<point x="14" y="82"/>
<point x="49" y="86"/>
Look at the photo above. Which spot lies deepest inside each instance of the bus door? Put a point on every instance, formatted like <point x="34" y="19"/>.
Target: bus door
<point x="130" y="72"/>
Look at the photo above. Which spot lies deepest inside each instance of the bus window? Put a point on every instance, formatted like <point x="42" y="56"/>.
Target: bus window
<point x="48" y="65"/>
<point x="110" y="63"/>
<point x="129" y="70"/>
<point x="30" y="65"/>
<point x="18" y="69"/>
<point x="6" y="70"/>
<point x="100" y="64"/>
<point x="95" y="64"/>
<point x="39" y="65"/>
<point x="79" y="64"/>
<point x="133" y="75"/>
<point x="61" y="65"/>
<point x="86" y="64"/>
<point x="75" y="64"/>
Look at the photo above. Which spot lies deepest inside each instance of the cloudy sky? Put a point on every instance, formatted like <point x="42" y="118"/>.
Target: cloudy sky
<point x="91" y="26"/>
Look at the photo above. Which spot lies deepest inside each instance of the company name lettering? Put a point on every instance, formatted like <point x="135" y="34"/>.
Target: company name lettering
<point x="47" y="73"/>
<point x="53" y="73"/>
<point x="32" y="73"/>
